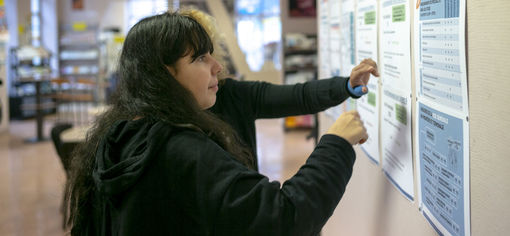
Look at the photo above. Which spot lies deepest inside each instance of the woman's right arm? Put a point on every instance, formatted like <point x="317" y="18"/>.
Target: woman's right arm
<point x="233" y="200"/>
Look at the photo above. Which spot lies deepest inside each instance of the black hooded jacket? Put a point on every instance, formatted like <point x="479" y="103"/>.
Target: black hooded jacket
<point x="241" y="103"/>
<point x="156" y="179"/>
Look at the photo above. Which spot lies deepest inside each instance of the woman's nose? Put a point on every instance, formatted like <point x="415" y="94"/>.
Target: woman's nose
<point x="217" y="68"/>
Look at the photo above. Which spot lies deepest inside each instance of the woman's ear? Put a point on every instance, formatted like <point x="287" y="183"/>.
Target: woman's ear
<point x="172" y="70"/>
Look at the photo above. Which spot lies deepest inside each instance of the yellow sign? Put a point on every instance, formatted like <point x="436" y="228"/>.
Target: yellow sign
<point x="118" y="39"/>
<point x="2" y="3"/>
<point x="79" y="26"/>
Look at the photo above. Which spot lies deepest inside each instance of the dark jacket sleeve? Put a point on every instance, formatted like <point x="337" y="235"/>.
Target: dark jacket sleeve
<point x="233" y="200"/>
<point x="272" y="101"/>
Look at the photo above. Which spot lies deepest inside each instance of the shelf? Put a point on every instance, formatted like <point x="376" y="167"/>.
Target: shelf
<point x="42" y="106"/>
<point x="76" y="97"/>
<point x="91" y="60"/>
<point x="295" y="69"/>
<point x="32" y="79"/>
<point x="300" y="58"/>
<point x="24" y="107"/>
<point x="78" y="74"/>
<point x="28" y="53"/>
<point x="293" y="51"/>
<point x="76" y="44"/>
<point x="31" y="95"/>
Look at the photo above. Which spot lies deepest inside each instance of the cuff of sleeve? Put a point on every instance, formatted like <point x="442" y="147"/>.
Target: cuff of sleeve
<point x="351" y="89"/>
<point x="344" y="149"/>
<point x="337" y="141"/>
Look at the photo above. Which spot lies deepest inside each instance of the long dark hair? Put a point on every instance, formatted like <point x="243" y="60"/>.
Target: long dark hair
<point x="147" y="89"/>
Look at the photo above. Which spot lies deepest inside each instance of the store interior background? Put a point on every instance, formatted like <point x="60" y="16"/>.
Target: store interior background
<point x="31" y="173"/>
<point x="32" y="177"/>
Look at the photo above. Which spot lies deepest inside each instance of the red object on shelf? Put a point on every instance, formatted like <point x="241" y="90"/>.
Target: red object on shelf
<point x="304" y="121"/>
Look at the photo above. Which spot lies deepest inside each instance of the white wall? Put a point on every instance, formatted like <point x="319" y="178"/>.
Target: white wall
<point x="96" y="12"/>
<point x="113" y="16"/>
<point x="373" y="207"/>
<point x="488" y="33"/>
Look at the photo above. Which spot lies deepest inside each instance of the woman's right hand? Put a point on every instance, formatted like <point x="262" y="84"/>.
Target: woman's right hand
<point x="350" y="127"/>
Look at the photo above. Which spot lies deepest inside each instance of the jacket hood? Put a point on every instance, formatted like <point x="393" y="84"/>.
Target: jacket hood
<point x="125" y="152"/>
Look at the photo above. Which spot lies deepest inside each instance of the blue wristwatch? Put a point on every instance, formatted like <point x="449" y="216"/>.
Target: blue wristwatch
<point x="356" y="91"/>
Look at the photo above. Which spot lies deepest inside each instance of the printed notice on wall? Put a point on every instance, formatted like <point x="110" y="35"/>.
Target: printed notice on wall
<point x="324" y="71"/>
<point x="347" y="43"/>
<point x="334" y="37"/>
<point x="440" y="53"/>
<point x="325" y="55"/>
<point x="335" y="62"/>
<point x="444" y="173"/>
<point x="347" y="47"/>
<point x="366" y="47"/>
<point x="344" y="10"/>
<point x="395" y="68"/>
<point x="442" y="115"/>
<point x="397" y="160"/>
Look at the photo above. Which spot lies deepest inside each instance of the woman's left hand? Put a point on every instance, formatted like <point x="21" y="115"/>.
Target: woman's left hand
<point x="361" y="74"/>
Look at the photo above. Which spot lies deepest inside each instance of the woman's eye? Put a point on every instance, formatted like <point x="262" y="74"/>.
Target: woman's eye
<point x="201" y="58"/>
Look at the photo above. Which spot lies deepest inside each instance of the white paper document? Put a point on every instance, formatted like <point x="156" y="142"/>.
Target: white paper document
<point x="395" y="70"/>
<point x="440" y="54"/>
<point x="396" y="141"/>
<point x="324" y="71"/>
<point x="347" y="40"/>
<point x="335" y="53"/>
<point x="366" y="47"/>
<point x="442" y="115"/>
<point x="325" y="47"/>
<point x="334" y="37"/>
<point x="347" y="47"/>
<point x="443" y="168"/>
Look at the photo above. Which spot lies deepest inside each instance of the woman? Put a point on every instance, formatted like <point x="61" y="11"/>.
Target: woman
<point x="240" y="103"/>
<point x="159" y="163"/>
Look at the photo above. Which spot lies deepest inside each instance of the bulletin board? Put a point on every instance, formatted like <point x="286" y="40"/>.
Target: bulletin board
<point x="474" y="127"/>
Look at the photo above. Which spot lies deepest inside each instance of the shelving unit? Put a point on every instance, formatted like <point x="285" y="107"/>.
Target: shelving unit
<point x="78" y="85"/>
<point x="79" y="52"/>
<point x="299" y="66"/>
<point x="80" y="60"/>
<point x="30" y="82"/>
<point x="32" y="89"/>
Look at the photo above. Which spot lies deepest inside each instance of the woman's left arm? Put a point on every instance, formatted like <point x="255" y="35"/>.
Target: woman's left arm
<point x="273" y="101"/>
